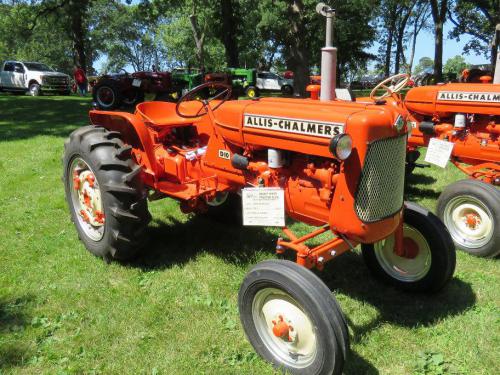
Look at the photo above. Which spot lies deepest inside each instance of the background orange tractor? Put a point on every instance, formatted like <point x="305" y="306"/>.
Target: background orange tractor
<point x="463" y="118"/>
<point x="339" y="166"/>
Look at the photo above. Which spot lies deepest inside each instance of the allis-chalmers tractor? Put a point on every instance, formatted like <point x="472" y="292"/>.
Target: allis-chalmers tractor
<point x="467" y="116"/>
<point x="339" y="166"/>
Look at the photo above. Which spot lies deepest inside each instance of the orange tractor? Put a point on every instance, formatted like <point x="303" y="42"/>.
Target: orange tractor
<point x="339" y="166"/>
<point x="464" y="119"/>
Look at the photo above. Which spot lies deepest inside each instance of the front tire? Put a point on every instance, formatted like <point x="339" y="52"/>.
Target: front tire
<point x="105" y="193"/>
<point x="252" y="92"/>
<point x="35" y="89"/>
<point x="287" y="90"/>
<point x="292" y="320"/>
<point x="470" y="209"/>
<point x="430" y="256"/>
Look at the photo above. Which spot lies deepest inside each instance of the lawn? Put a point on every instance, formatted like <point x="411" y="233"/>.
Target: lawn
<point x="174" y="310"/>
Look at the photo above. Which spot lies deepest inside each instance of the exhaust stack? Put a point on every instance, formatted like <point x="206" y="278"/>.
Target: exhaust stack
<point x="328" y="55"/>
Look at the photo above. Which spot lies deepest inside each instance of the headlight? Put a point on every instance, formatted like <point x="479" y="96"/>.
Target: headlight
<point x="341" y="146"/>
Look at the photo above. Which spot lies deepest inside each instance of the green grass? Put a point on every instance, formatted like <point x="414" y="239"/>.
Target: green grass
<point x="174" y="310"/>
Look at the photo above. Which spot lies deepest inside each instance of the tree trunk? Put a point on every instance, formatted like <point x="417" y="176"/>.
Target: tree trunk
<point x="199" y="40"/>
<point x="77" y="9"/>
<point x="438" y="52"/>
<point x="390" y="40"/>
<point x="439" y="10"/>
<point x="494" y="49"/>
<point x="229" y="33"/>
<point x="299" y="53"/>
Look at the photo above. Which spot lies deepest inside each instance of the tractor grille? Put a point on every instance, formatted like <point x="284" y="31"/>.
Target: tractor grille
<point x="380" y="190"/>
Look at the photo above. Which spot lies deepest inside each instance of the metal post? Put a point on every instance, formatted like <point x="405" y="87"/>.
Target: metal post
<point x="328" y="55"/>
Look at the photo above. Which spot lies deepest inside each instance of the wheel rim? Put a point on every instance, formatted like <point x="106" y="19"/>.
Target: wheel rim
<point x="469" y="221"/>
<point x="272" y="310"/>
<point x="86" y="199"/>
<point x="220" y="199"/>
<point x="33" y="90"/>
<point x="105" y="96"/>
<point x="410" y="268"/>
<point x="251" y="93"/>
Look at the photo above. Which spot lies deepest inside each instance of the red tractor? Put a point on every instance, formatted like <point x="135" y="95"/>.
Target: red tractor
<point x="463" y="118"/>
<point x="113" y="91"/>
<point x="339" y="166"/>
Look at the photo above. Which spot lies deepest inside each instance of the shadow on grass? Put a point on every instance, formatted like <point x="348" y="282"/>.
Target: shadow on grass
<point x="25" y="117"/>
<point x="13" y="319"/>
<point x="180" y="242"/>
<point x="349" y="275"/>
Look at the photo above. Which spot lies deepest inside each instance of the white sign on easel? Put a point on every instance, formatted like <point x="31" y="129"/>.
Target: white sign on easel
<point x="263" y="207"/>
<point x="438" y="152"/>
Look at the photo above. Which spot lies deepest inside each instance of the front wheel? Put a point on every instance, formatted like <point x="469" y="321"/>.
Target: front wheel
<point x="429" y="259"/>
<point x="34" y="89"/>
<point x="470" y="209"/>
<point x="287" y="90"/>
<point x="292" y="320"/>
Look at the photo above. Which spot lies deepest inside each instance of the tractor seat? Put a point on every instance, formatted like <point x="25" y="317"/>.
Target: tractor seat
<point x="161" y="114"/>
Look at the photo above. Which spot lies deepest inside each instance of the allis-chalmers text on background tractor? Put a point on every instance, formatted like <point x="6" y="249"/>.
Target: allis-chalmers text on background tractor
<point x="333" y="164"/>
<point x="463" y="117"/>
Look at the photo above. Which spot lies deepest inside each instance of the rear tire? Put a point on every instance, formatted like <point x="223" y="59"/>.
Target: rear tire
<point x="470" y="209"/>
<point x="107" y="94"/>
<point x="132" y="98"/>
<point x="317" y="342"/>
<point x="431" y="254"/>
<point x="118" y="186"/>
<point x="287" y="90"/>
<point x="252" y="92"/>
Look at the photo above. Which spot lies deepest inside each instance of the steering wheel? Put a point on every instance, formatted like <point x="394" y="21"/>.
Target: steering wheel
<point x="222" y="90"/>
<point x="398" y="82"/>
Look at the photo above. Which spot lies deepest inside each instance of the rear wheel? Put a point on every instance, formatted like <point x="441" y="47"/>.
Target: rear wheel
<point x="287" y="90"/>
<point x="292" y="320"/>
<point x="470" y="209"/>
<point x="105" y="193"/>
<point x="429" y="259"/>
<point x="107" y="94"/>
<point x="252" y="92"/>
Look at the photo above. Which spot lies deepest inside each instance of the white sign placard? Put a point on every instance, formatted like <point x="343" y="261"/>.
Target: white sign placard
<point x="438" y="152"/>
<point x="136" y="82"/>
<point x="263" y="207"/>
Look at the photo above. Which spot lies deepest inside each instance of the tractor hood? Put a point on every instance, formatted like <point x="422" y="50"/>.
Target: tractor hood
<point x="444" y="100"/>
<point x="304" y="125"/>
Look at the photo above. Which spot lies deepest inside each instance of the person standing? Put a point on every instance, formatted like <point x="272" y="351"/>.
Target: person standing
<point x="81" y="80"/>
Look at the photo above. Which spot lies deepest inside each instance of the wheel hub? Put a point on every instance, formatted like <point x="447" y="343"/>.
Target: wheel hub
<point x="90" y="198"/>
<point x="469" y="221"/>
<point x="284" y="327"/>
<point x="87" y="200"/>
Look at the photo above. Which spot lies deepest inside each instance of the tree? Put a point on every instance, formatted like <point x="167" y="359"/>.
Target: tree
<point x="439" y="11"/>
<point x="424" y="63"/>
<point x="477" y="18"/>
<point x="418" y="22"/>
<point x="455" y="66"/>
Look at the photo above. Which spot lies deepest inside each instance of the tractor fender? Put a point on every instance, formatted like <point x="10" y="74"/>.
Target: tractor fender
<point x="133" y="132"/>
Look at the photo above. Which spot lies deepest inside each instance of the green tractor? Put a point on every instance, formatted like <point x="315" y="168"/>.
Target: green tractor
<point x="185" y="79"/>
<point x="242" y="80"/>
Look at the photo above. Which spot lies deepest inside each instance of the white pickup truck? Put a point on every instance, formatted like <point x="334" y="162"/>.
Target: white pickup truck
<point x="33" y="78"/>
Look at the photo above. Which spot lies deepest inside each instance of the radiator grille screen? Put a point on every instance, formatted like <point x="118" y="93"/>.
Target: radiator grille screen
<point x="381" y="188"/>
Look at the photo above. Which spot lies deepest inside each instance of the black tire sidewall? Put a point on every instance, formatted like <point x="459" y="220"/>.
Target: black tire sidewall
<point x="328" y="357"/>
<point x="443" y="259"/>
<point x="489" y="196"/>
<point x="113" y="86"/>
